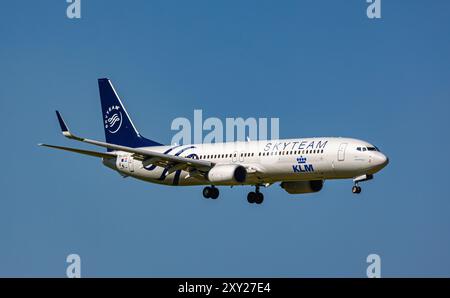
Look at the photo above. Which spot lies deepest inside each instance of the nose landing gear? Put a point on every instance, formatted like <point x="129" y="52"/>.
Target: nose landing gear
<point x="356" y="189"/>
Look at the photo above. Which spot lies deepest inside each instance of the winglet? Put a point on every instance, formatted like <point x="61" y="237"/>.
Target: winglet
<point x="64" y="128"/>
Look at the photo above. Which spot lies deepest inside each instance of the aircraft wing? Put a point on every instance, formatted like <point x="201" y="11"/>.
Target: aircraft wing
<point x="173" y="163"/>
<point x="81" y="151"/>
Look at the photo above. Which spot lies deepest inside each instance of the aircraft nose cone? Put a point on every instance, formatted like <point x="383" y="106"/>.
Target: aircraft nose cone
<point x="382" y="160"/>
<point x="379" y="161"/>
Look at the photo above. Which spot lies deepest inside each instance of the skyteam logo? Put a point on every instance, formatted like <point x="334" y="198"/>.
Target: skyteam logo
<point x="302" y="166"/>
<point x="113" y="119"/>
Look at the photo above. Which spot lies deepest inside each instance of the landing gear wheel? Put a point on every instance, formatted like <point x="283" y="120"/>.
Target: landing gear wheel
<point x="207" y="192"/>
<point x="356" y="189"/>
<point x="259" y="198"/>
<point x="251" y="197"/>
<point x="255" y="197"/>
<point x="214" y="193"/>
<point x="210" y="192"/>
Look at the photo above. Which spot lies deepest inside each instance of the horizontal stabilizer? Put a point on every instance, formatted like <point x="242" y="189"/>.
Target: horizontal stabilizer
<point x="81" y="151"/>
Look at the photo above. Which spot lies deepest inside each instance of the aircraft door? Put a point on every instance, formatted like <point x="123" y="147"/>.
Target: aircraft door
<point x="235" y="156"/>
<point x="341" y="152"/>
<point x="122" y="162"/>
<point x="130" y="164"/>
<point x="125" y="163"/>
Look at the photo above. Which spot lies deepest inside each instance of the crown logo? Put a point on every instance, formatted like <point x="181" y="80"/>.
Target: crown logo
<point x="301" y="159"/>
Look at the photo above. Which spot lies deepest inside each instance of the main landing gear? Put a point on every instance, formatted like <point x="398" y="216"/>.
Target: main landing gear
<point x="211" y="192"/>
<point x="255" y="196"/>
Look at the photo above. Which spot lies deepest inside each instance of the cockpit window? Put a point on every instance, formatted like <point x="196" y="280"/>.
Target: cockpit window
<point x="369" y="148"/>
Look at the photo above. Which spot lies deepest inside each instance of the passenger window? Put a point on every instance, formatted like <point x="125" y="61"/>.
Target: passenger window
<point x="364" y="149"/>
<point x="358" y="148"/>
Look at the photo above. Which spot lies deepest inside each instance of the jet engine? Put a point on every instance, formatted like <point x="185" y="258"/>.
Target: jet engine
<point x="298" y="187"/>
<point x="227" y="174"/>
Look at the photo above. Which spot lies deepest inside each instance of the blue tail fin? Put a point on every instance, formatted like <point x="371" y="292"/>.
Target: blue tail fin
<point x="119" y="129"/>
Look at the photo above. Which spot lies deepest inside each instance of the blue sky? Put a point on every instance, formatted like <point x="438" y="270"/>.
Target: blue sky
<point x="322" y="67"/>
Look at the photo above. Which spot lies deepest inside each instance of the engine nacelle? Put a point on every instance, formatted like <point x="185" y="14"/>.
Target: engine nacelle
<point x="227" y="173"/>
<point x="298" y="187"/>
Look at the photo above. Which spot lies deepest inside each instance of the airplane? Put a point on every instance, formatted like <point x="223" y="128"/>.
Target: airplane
<point x="300" y="165"/>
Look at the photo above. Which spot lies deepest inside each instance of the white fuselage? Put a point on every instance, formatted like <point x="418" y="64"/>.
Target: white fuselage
<point x="270" y="160"/>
